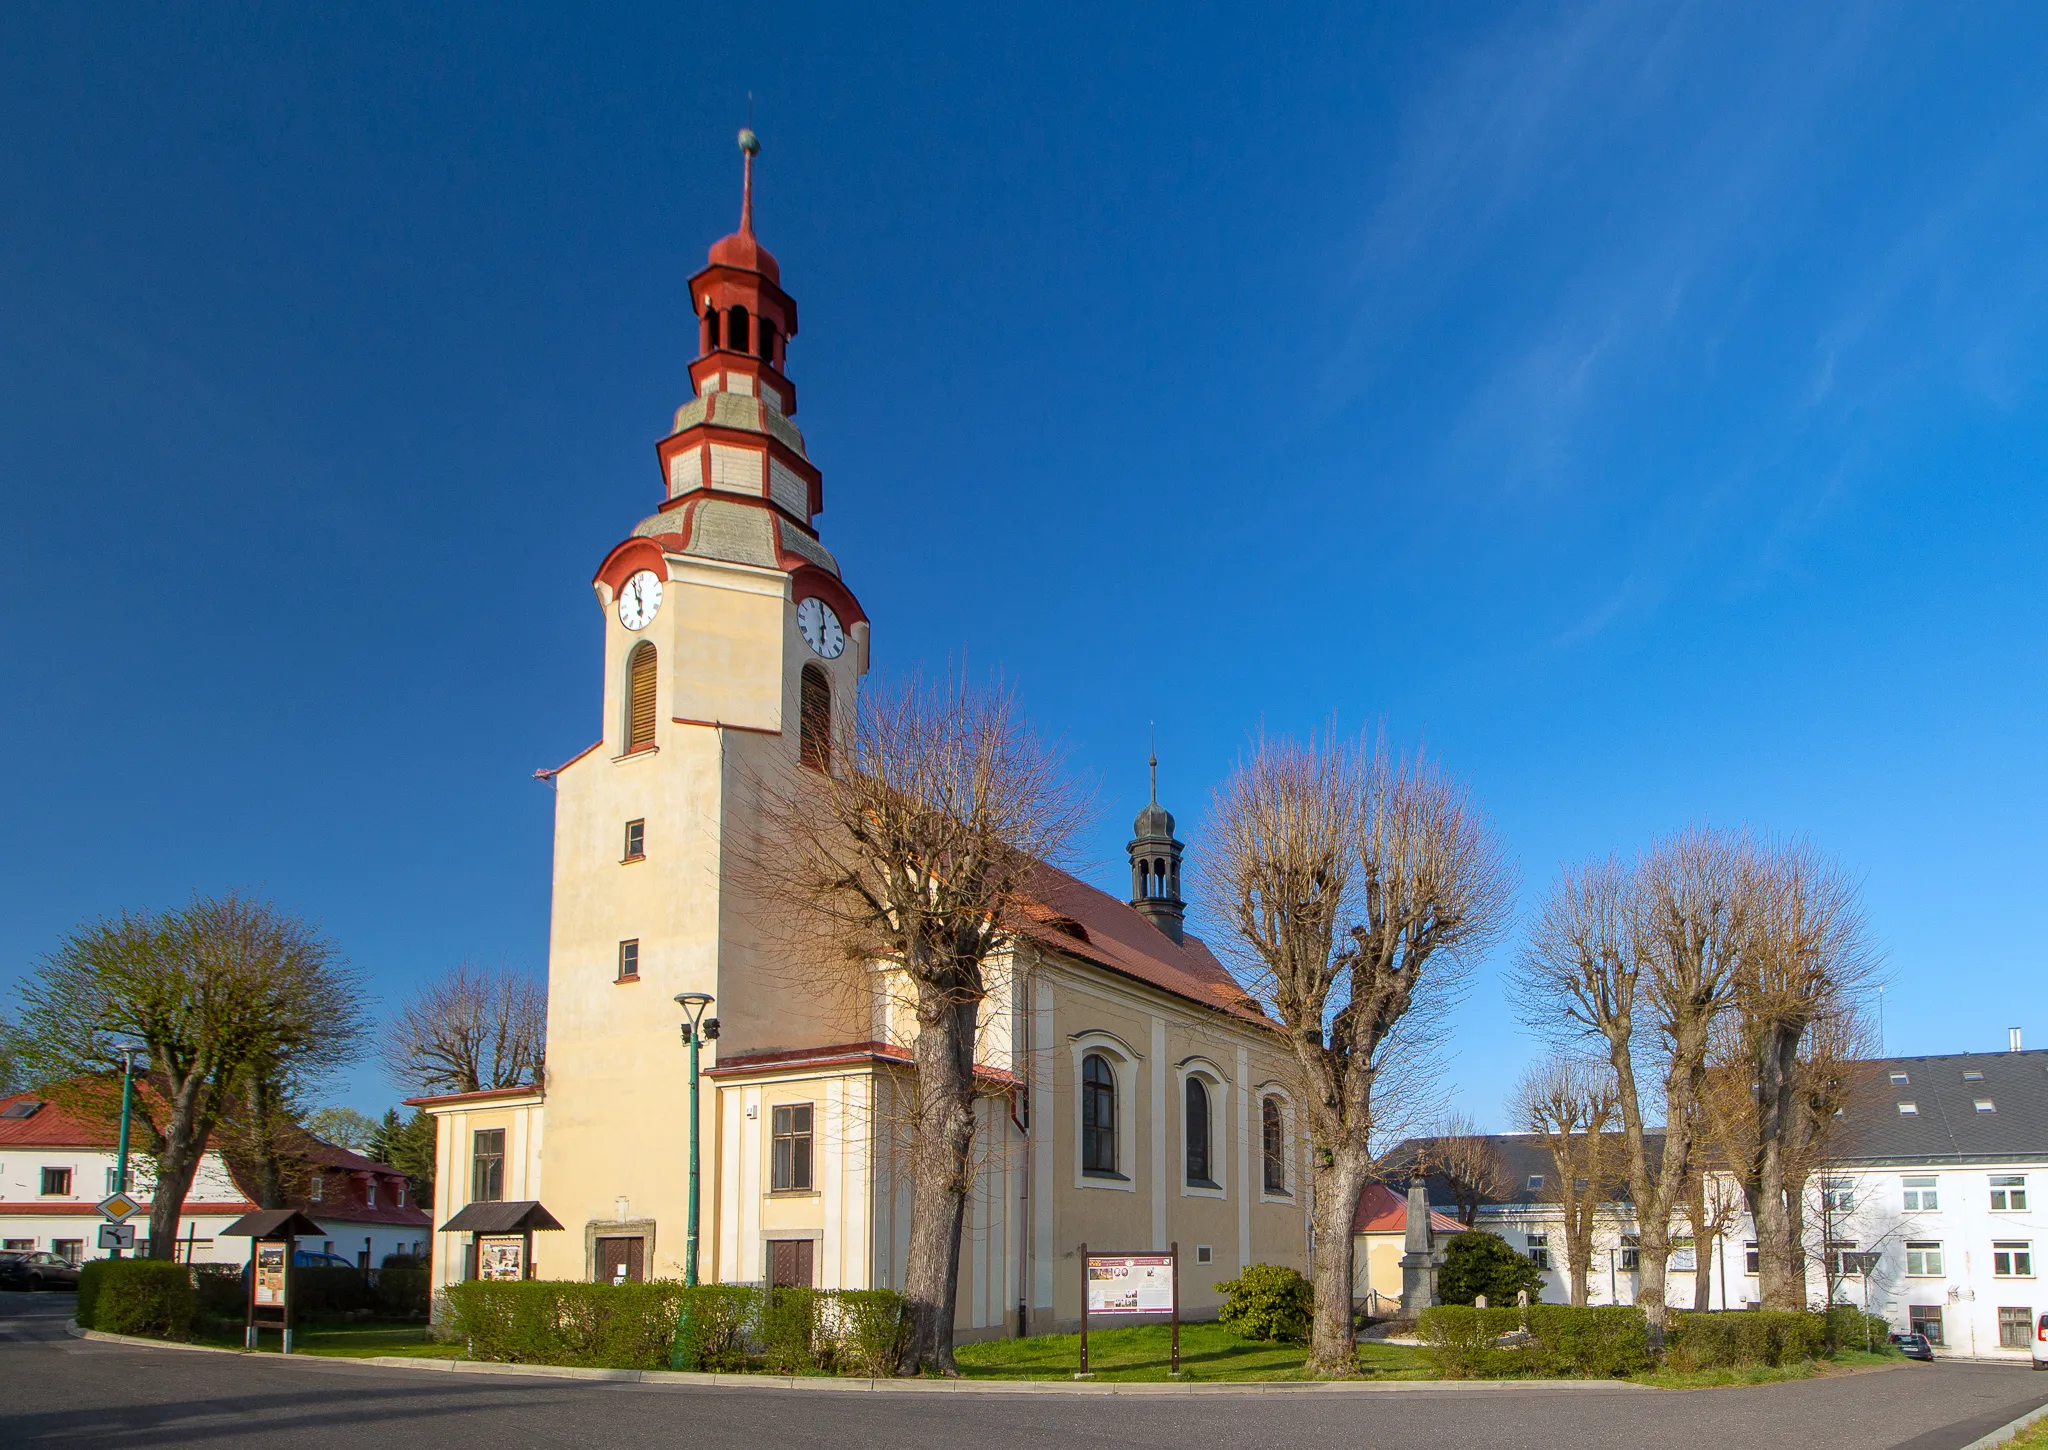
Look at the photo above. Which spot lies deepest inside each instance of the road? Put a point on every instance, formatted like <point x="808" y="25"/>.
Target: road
<point x="59" y="1391"/>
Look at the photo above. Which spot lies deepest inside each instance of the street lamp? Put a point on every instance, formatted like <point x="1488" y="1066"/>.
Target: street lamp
<point x="127" y="1096"/>
<point x="696" y="1029"/>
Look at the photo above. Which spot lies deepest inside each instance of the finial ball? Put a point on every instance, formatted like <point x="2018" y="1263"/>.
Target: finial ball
<point x="749" y="142"/>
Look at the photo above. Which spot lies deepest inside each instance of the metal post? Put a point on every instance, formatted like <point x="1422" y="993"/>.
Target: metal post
<point x="690" y="1240"/>
<point x="1084" y="1309"/>
<point x="1174" y="1250"/>
<point x="127" y="1096"/>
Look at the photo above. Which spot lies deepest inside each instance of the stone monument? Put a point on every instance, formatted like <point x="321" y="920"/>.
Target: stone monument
<point x="1418" y="1260"/>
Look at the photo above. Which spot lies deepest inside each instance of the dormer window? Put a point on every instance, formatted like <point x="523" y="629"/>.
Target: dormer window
<point x="1899" y="1079"/>
<point x="313" y="1189"/>
<point x="1909" y="1110"/>
<point x="1973" y="1076"/>
<point x="370" y="1192"/>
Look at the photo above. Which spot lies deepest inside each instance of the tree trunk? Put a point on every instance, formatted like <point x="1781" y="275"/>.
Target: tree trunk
<point x="1333" y="1346"/>
<point x="942" y="1168"/>
<point x="1780" y="1280"/>
<point x="1702" y="1264"/>
<point x="1795" y="1243"/>
<point x="174" y="1172"/>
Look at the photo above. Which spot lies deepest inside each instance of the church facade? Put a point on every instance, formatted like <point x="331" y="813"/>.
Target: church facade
<point x="1135" y="1097"/>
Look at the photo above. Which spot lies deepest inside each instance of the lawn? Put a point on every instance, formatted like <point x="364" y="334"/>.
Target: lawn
<point x="345" y="1341"/>
<point x="1207" y="1352"/>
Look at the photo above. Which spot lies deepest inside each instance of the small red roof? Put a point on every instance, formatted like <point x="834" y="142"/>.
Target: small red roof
<point x="50" y="1125"/>
<point x="1383" y="1211"/>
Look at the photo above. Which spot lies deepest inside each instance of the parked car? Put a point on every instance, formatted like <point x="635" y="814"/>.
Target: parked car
<point x="1913" y="1346"/>
<point x="2041" y="1343"/>
<point x="34" y="1269"/>
<point x="308" y="1259"/>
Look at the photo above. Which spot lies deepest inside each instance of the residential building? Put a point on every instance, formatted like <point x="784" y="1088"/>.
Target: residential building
<point x="1132" y="1090"/>
<point x="1929" y="1208"/>
<point x="56" y="1165"/>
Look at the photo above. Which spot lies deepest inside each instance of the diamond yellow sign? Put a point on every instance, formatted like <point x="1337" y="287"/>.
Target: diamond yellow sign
<point x="117" y="1206"/>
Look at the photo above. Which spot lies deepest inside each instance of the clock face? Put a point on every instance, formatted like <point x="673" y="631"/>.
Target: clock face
<point x="639" y="600"/>
<point x="821" y="628"/>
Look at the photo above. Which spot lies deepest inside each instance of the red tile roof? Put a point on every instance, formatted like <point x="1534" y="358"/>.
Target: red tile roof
<point x="1115" y="936"/>
<point x="475" y="1097"/>
<point x="52" y="1126"/>
<point x="1383" y="1211"/>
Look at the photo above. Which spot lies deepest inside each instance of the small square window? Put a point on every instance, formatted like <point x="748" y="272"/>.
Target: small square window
<point x="1535" y="1182"/>
<point x="1986" y="1105"/>
<point x="1973" y="1076"/>
<point x="1909" y="1110"/>
<point x="57" y="1181"/>
<point x="1899" y="1079"/>
<point x="1205" y="1254"/>
<point x="629" y="961"/>
<point x="636" y="841"/>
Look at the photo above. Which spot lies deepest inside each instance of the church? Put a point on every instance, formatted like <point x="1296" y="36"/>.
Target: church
<point x="1136" y="1095"/>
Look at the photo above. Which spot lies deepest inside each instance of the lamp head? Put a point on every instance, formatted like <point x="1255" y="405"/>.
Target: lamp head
<point x="694" y="1001"/>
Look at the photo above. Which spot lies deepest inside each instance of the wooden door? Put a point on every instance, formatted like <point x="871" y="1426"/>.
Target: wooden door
<point x="621" y="1254"/>
<point x="789" y="1263"/>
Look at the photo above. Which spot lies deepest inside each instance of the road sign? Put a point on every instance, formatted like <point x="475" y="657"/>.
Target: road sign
<point x="117" y="1235"/>
<point x="117" y="1206"/>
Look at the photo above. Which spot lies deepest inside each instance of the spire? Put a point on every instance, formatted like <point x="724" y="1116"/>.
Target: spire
<point x="750" y="144"/>
<point x="1155" y="863"/>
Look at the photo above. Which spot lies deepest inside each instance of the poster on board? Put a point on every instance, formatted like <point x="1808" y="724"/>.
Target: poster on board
<point x="270" y="1273"/>
<point x="1130" y="1284"/>
<point x="501" y="1258"/>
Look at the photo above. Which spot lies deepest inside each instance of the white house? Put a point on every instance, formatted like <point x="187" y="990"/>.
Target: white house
<point x="55" y="1165"/>
<point x="1930" y="1212"/>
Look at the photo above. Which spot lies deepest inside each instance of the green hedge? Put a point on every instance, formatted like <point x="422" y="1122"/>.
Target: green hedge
<point x="723" y="1327"/>
<point x="137" y="1296"/>
<point x="1604" y="1342"/>
<point x="223" y="1292"/>
<point x="402" y="1291"/>
<point x="1729" y="1337"/>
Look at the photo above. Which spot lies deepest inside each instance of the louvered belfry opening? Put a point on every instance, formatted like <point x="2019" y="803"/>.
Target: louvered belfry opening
<point x="640" y="673"/>
<point x="814" y="719"/>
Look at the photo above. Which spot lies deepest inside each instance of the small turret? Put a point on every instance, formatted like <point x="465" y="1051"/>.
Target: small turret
<point x="1155" y="864"/>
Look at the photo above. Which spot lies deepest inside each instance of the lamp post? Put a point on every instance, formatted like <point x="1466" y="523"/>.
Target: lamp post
<point x="695" y="1030"/>
<point x="127" y="1097"/>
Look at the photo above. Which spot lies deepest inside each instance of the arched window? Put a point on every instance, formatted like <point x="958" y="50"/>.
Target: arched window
<point x="736" y="329"/>
<point x="814" y="719"/>
<point x="640" y="675"/>
<point x="1098" y="1115"/>
<point x="1197" y="1124"/>
<point x="710" y="329"/>
<point x="767" y="330"/>
<point x="1273" y="1139"/>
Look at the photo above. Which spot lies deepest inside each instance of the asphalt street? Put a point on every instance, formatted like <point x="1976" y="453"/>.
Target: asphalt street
<point x="59" y="1391"/>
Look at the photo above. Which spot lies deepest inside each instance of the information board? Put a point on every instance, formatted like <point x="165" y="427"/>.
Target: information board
<point x="501" y="1258"/>
<point x="270" y="1273"/>
<point x="1130" y="1283"/>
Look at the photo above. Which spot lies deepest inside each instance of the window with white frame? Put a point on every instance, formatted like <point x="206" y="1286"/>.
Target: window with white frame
<point x="370" y="1192"/>
<point x="1923" y="1259"/>
<point x="1837" y="1195"/>
<point x="1535" y="1183"/>
<point x="1752" y="1259"/>
<point x="1272" y="1146"/>
<point x="1631" y="1253"/>
<point x="1921" y="1194"/>
<point x="1539" y="1250"/>
<point x="2012" y="1261"/>
<point x="2008" y="1193"/>
<point x="1843" y="1262"/>
<point x="1198" y="1133"/>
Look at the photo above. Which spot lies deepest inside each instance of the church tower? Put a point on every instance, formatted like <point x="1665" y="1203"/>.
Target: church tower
<point x="732" y="653"/>
<point x="1155" y="864"/>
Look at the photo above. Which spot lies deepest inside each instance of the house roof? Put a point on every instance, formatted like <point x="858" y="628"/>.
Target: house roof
<point x="1523" y="1156"/>
<point x="434" y="1100"/>
<point x="48" y="1124"/>
<point x="1072" y="917"/>
<point x="1381" y="1210"/>
<point x="273" y="1223"/>
<point x="1946" y="1123"/>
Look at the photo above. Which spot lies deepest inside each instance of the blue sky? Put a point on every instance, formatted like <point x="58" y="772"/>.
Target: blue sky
<point x="1640" y="405"/>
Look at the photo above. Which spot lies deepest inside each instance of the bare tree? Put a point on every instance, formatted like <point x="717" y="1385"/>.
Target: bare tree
<point x="1806" y="961"/>
<point x="916" y="853"/>
<point x="474" y="1028"/>
<point x="1642" y="960"/>
<point x="1469" y="1162"/>
<point x="1360" y="885"/>
<point x="214" y="993"/>
<point x="1573" y="1105"/>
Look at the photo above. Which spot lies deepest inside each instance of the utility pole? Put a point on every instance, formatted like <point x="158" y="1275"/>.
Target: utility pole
<point x="127" y="1098"/>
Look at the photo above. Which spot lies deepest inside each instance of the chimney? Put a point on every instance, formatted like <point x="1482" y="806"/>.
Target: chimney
<point x="2012" y="1037"/>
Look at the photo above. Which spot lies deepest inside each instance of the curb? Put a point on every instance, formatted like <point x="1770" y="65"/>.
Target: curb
<point x="683" y="1379"/>
<point x="2006" y="1432"/>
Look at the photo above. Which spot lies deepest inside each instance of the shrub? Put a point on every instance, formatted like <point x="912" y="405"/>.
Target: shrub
<point x="1461" y="1341"/>
<point x="223" y="1291"/>
<point x="1478" y="1263"/>
<point x="789" y="1331"/>
<point x="1724" y="1339"/>
<point x="137" y="1296"/>
<point x="401" y="1290"/>
<point x="1268" y="1301"/>
<point x="868" y="1331"/>
<point x="1607" y="1342"/>
<point x="1850" y="1328"/>
<point x="327" y="1291"/>
<point x="667" y="1325"/>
